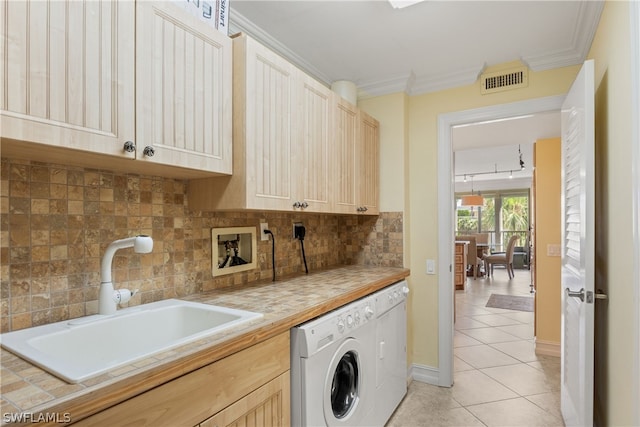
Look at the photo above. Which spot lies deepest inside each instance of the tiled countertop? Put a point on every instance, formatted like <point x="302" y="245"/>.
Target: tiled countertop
<point x="284" y="303"/>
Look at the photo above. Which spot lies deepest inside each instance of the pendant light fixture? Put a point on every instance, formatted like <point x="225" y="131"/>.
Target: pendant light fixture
<point x="472" y="199"/>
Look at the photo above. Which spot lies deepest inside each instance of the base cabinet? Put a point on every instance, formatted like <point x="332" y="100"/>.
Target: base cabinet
<point x="264" y="407"/>
<point x="250" y="384"/>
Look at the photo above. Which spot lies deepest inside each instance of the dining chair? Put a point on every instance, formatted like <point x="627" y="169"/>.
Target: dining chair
<point x="505" y="259"/>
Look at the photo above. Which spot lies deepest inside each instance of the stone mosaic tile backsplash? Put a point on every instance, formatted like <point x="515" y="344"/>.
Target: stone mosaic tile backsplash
<point x="56" y="222"/>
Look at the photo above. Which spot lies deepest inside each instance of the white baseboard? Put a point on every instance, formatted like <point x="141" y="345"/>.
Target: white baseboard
<point x="548" y="348"/>
<point x="425" y="374"/>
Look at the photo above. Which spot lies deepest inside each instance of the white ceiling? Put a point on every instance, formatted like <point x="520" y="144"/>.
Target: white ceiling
<point x="490" y="146"/>
<point x="428" y="47"/>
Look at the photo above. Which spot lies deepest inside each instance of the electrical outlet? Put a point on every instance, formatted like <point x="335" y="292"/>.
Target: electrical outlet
<point x="263" y="235"/>
<point x="295" y="224"/>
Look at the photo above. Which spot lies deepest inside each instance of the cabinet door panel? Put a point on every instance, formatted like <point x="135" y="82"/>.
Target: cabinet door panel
<point x="345" y="151"/>
<point x="70" y="85"/>
<point x="269" y="95"/>
<point x="183" y="89"/>
<point x="267" y="406"/>
<point x="368" y="171"/>
<point x="316" y="109"/>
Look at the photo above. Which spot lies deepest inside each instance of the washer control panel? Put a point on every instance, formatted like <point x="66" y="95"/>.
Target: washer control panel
<point x="390" y="296"/>
<point x="321" y="332"/>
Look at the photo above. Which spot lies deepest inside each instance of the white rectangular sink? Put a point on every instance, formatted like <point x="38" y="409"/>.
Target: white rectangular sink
<point x="78" y="349"/>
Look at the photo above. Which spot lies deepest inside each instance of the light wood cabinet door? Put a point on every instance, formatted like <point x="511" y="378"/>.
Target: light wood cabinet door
<point x="368" y="178"/>
<point x="183" y="90"/>
<point x="311" y="148"/>
<point x="268" y="406"/>
<point x="200" y="394"/>
<point x="66" y="84"/>
<point x="268" y="96"/>
<point x="345" y="150"/>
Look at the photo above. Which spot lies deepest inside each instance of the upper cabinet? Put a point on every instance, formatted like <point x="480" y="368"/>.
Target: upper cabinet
<point x="183" y="90"/>
<point x="345" y="158"/>
<point x="297" y="145"/>
<point x="281" y="138"/>
<point x="140" y="81"/>
<point x="68" y="75"/>
<point x="368" y="176"/>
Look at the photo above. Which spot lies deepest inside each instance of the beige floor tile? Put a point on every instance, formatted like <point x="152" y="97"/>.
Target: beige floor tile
<point x="549" y="402"/>
<point x="550" y="366"/>
<point x="460" y="339"/>
<point x="496" y="320"/>
<point x="522" y="331"/>
<point x="523" y="350"/>
<point x="490" y="335"/>
<point x="521" y="378"/>
<point x="492" y="392"/>
<point x="483" y="356"/>
<point x="512" y="413"/>
<point x="461" y="365"/>
<point x="463" y="322"/>
<point x="521" y="316"/>
<point x="474" y="387"/>
<point x="437" y="417"/>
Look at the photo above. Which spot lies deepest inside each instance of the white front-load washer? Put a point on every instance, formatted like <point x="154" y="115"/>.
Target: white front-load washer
<point x="333" y="368"/>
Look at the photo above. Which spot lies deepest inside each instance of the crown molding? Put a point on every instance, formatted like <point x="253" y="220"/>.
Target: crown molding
<point x="584" y="31"/>
<point x="239" y="24"/>
<point x="412" y="84"/>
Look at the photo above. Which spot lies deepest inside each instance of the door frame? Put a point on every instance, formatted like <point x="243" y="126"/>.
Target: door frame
<point x="446" y="201"/>
<point x="635" y="198"/>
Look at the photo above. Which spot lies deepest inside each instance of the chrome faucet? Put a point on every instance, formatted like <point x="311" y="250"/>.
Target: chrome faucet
<point x="108" y="299"/>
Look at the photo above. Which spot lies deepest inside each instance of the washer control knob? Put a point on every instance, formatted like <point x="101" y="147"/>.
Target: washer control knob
<point x="368" y="312"/>
<point x="340" y="325"/>
<point x="390" y="299"/>
<point x="396" y="294"/>
<point x="349" y="321"/>
<point x="356" y="316"/>
<point x="405" y="290"/>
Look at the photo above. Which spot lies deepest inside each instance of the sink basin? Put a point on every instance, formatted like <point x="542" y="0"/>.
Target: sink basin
<point x="78" y="349"/>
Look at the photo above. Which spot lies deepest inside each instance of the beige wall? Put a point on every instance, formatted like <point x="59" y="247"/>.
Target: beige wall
<point x="421" y="185"/>
<point x="394" y="170"/>
<point x="547" y="232"/>
<point x="611" y="49"/>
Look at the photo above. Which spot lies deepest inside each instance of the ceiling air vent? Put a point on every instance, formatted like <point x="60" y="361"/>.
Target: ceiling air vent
<point x="504" y="80"/>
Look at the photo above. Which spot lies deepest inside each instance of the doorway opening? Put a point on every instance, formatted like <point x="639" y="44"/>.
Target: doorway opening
<point x="446" y="209"/>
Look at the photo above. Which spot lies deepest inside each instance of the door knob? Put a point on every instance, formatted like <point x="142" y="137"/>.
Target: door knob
<point x="576" y="294"/>
<point x="149" y="151"/>
<point x="129" y="147"/>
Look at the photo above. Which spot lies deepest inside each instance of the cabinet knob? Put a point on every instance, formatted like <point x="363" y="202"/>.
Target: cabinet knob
<point x="296" y="205"/>
<point x="304" y="205"/>
<point x="149" y="151"/>
<point x="129" y="147"/>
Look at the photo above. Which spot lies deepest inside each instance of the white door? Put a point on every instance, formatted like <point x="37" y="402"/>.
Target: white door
<point x="578" y="252"/>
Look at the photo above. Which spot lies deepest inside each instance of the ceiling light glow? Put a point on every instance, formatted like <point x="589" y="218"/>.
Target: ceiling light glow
<point x="399" y="4"/>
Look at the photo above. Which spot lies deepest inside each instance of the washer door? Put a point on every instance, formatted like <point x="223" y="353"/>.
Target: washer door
<point x="343" y="392"/>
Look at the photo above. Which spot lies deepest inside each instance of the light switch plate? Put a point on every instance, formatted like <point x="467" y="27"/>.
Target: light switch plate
<point x="553" y="249"/>
<point x="431" y="266"/>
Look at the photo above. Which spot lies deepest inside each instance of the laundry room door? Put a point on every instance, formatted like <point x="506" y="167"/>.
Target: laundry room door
<point x="578" y="249"/>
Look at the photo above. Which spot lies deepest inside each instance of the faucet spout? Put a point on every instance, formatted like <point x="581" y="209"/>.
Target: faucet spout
<point x="107" y="299"/>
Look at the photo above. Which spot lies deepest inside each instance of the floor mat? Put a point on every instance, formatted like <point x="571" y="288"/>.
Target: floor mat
<point x="510" y="302"/>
